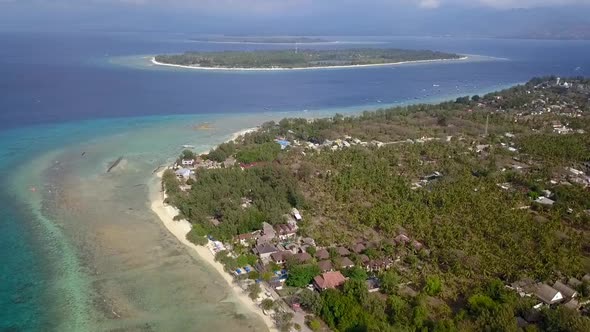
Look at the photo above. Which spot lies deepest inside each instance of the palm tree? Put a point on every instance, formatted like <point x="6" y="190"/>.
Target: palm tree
<point x="267" y="304"/>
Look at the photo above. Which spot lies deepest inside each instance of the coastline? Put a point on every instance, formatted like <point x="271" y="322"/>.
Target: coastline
<point x="157" y="63"/>
<point x="179" y="229"/>
<point x="236" y="135"/>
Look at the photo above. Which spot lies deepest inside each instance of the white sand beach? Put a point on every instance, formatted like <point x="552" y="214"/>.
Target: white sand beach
<point x="179" y="229"/>
<point x="157" y="63"/>
<point x="236" y="135"/>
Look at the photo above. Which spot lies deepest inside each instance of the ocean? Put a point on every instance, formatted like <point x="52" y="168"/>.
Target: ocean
<point x="80" y="249"/>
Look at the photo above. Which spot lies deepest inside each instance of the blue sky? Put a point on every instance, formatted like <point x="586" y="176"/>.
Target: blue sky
<point x="471" y="17"/>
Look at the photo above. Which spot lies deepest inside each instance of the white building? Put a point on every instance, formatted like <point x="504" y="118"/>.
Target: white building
<point x="296" y="214"/>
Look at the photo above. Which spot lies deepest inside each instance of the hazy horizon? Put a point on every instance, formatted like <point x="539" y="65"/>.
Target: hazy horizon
<point x="484" y="18"/>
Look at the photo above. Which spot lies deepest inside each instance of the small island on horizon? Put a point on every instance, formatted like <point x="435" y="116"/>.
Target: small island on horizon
<point x="300" y="59"/>
<point x="262" y="40"/>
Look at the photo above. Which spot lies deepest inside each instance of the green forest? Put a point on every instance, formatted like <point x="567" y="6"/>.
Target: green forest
<point x="478" y="223"/>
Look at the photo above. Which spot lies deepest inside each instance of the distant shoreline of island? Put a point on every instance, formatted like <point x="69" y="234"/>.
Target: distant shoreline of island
<point x="263" y="40"/>
<point x="157" y="63"/>
<point x="301" y="58"/>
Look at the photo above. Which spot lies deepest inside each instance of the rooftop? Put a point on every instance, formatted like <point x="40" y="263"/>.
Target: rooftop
<point x="245" y="236"/>
<point x="565" y="290"/>
<point x="346" y="262"/>
<point x="358" y="248"/>
<point x="322" y="254"/>
<point x="303" y="257"/>
<point x="266" y="249"/>
<point x="280" y="256"/>
<point x="343" y="251"/>
<point x="548" y="294"/>
<point x="325" y="265"/>
<point x="329" y="280"/>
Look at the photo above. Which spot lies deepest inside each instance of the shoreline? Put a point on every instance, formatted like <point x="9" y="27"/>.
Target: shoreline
<point x="232" y="138"/>
<point x="157" y="63"/>
<point x="179" y="229"/>
<point x="243" y="132"/>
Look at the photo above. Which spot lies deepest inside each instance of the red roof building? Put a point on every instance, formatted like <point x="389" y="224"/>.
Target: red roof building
<point x="329" y="280"/>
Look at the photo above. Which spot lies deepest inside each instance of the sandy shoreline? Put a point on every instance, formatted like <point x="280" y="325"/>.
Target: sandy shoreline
<point x="157" y="63"/>
<point x="179" y="229"/>
<point x="236" y="135"/>
<point x="233" y="137"/>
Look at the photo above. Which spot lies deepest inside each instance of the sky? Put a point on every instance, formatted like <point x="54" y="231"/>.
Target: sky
<point x="299" y="17"/>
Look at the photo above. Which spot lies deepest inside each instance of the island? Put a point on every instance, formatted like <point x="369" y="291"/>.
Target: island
<point x="469" y="215"/>
<point x="261" y="40"/>
<point x="300" y="59"/>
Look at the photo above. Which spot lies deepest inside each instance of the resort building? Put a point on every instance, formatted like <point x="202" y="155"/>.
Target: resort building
<point x="548" y="294"/>
<point x="322" y="254"/>
<point x="325" y="266"/>
<point x="346" y="263"/>
<point x="302" y="257"/>
<point x="286" y="231"/>
<point x="358" y="248"/>
<point x="281" y="256"/>
<point x="245" y="239"/>
<point x="329" y="280"/>
<point x="566" y="291"/>
<point x="342" y="251"/>
<point x="265" y="250"/>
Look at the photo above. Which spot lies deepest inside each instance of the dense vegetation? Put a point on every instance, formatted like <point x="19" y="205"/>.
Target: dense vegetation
<point x="300" y="59"/>
<point x="477" y="222"/>
<point x="222" y="195"/>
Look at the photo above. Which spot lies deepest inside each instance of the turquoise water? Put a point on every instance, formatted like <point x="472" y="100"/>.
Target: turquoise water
<point x="45" y="283"/>
<point x="69" y="223"/>
<point x="81" y="250"/>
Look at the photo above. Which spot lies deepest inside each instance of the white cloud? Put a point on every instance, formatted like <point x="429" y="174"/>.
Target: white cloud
<point x="218" y="5"/>
<point x="506" y="4"/>
<point x="430" y="4"/>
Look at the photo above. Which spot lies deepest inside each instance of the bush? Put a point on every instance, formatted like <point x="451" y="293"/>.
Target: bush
<point x="254" y="291"/>
<point x="433" y="286"/>
<point x="315" y="324"/>
<point x="267" y="304"/>
<point x="197" y="235"/>
<point x="187" y="154"/>
<point x="302" y="275"/>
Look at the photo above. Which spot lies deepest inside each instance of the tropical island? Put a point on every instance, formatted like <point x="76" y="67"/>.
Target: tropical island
<point x="295" y="59"/>
<point x="261" y="40"/>
<point x="469" y="215"/>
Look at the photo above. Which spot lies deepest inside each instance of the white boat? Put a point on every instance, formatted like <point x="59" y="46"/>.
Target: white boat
<point x="186" y="146"/>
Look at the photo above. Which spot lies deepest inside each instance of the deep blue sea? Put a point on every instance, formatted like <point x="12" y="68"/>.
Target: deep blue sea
<point x="60" y="89"/>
